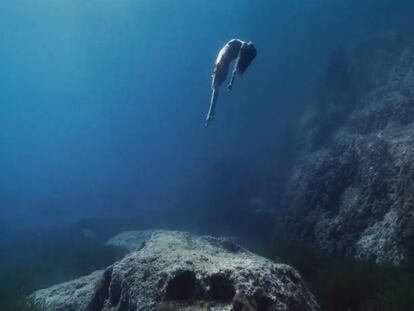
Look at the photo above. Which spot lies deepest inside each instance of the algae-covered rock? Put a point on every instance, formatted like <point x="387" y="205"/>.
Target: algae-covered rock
<point x="351" y="190"/>
<point x="69" y="296"/>
<point x="178" y="271"/>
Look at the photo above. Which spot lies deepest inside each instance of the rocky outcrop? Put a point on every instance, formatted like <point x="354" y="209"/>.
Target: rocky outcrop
<point x="177" y="271"/>
<point x="70" y="296"/>
<point x="351" y="190"/>
<point x="130" y="240"/>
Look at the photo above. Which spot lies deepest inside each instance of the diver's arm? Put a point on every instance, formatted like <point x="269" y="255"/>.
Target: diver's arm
<point x="210" y="114"/>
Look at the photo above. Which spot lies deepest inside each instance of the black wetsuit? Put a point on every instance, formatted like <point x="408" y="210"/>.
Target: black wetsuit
<point x="243" y="53"/>
<point x="226" y="55"/>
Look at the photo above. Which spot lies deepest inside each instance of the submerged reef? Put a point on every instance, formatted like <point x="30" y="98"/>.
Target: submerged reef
<point x="177" y="271"/>
<point x="351" y="190"/>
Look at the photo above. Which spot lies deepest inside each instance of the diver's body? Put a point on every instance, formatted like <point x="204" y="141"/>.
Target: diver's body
<point x="243" y="53"/>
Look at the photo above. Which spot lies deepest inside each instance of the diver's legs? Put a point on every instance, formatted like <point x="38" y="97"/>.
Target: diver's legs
<point x="210" y="114"/>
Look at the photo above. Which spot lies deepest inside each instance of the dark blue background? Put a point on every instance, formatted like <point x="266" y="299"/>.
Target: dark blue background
<point x="102" y="103"/>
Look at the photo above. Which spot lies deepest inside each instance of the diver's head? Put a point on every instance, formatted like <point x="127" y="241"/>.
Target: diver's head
<point x="247" y="54"/>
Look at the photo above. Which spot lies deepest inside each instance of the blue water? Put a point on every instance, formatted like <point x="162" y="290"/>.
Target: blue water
<point x="102" y="103"/>
<point x="102" y="110"/>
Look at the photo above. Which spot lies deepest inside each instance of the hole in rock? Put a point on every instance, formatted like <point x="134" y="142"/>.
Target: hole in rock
<point x="182" y="286"/>
<point x="263" y="303"/>
<point x="221" y="288"/>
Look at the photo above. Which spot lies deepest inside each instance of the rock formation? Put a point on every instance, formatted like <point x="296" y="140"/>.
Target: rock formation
<point x="351" y="190"/>
<point x="74" y="295"/>
<point x="130" y="240"/>
<point x="177" y="271"/>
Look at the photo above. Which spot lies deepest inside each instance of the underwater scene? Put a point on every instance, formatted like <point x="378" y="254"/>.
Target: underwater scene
<point x="214" y="155"/>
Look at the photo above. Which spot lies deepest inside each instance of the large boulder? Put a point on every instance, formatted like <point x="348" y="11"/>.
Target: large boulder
<point x="351" y="190"/>
<point x="177" y="271"/>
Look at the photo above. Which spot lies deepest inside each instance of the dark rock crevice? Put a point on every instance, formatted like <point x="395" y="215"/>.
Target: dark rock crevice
<point x="221" y="287"/>
<point x="101" y="291"/>
<point x="182" y="286"/>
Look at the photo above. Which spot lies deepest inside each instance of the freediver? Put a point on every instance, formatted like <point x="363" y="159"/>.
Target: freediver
<point x="236" y="49"/>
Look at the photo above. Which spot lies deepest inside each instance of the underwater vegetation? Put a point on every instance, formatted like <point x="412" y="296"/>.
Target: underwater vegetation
<point x="345" y="283"/>
<point x="43" y="261"/>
